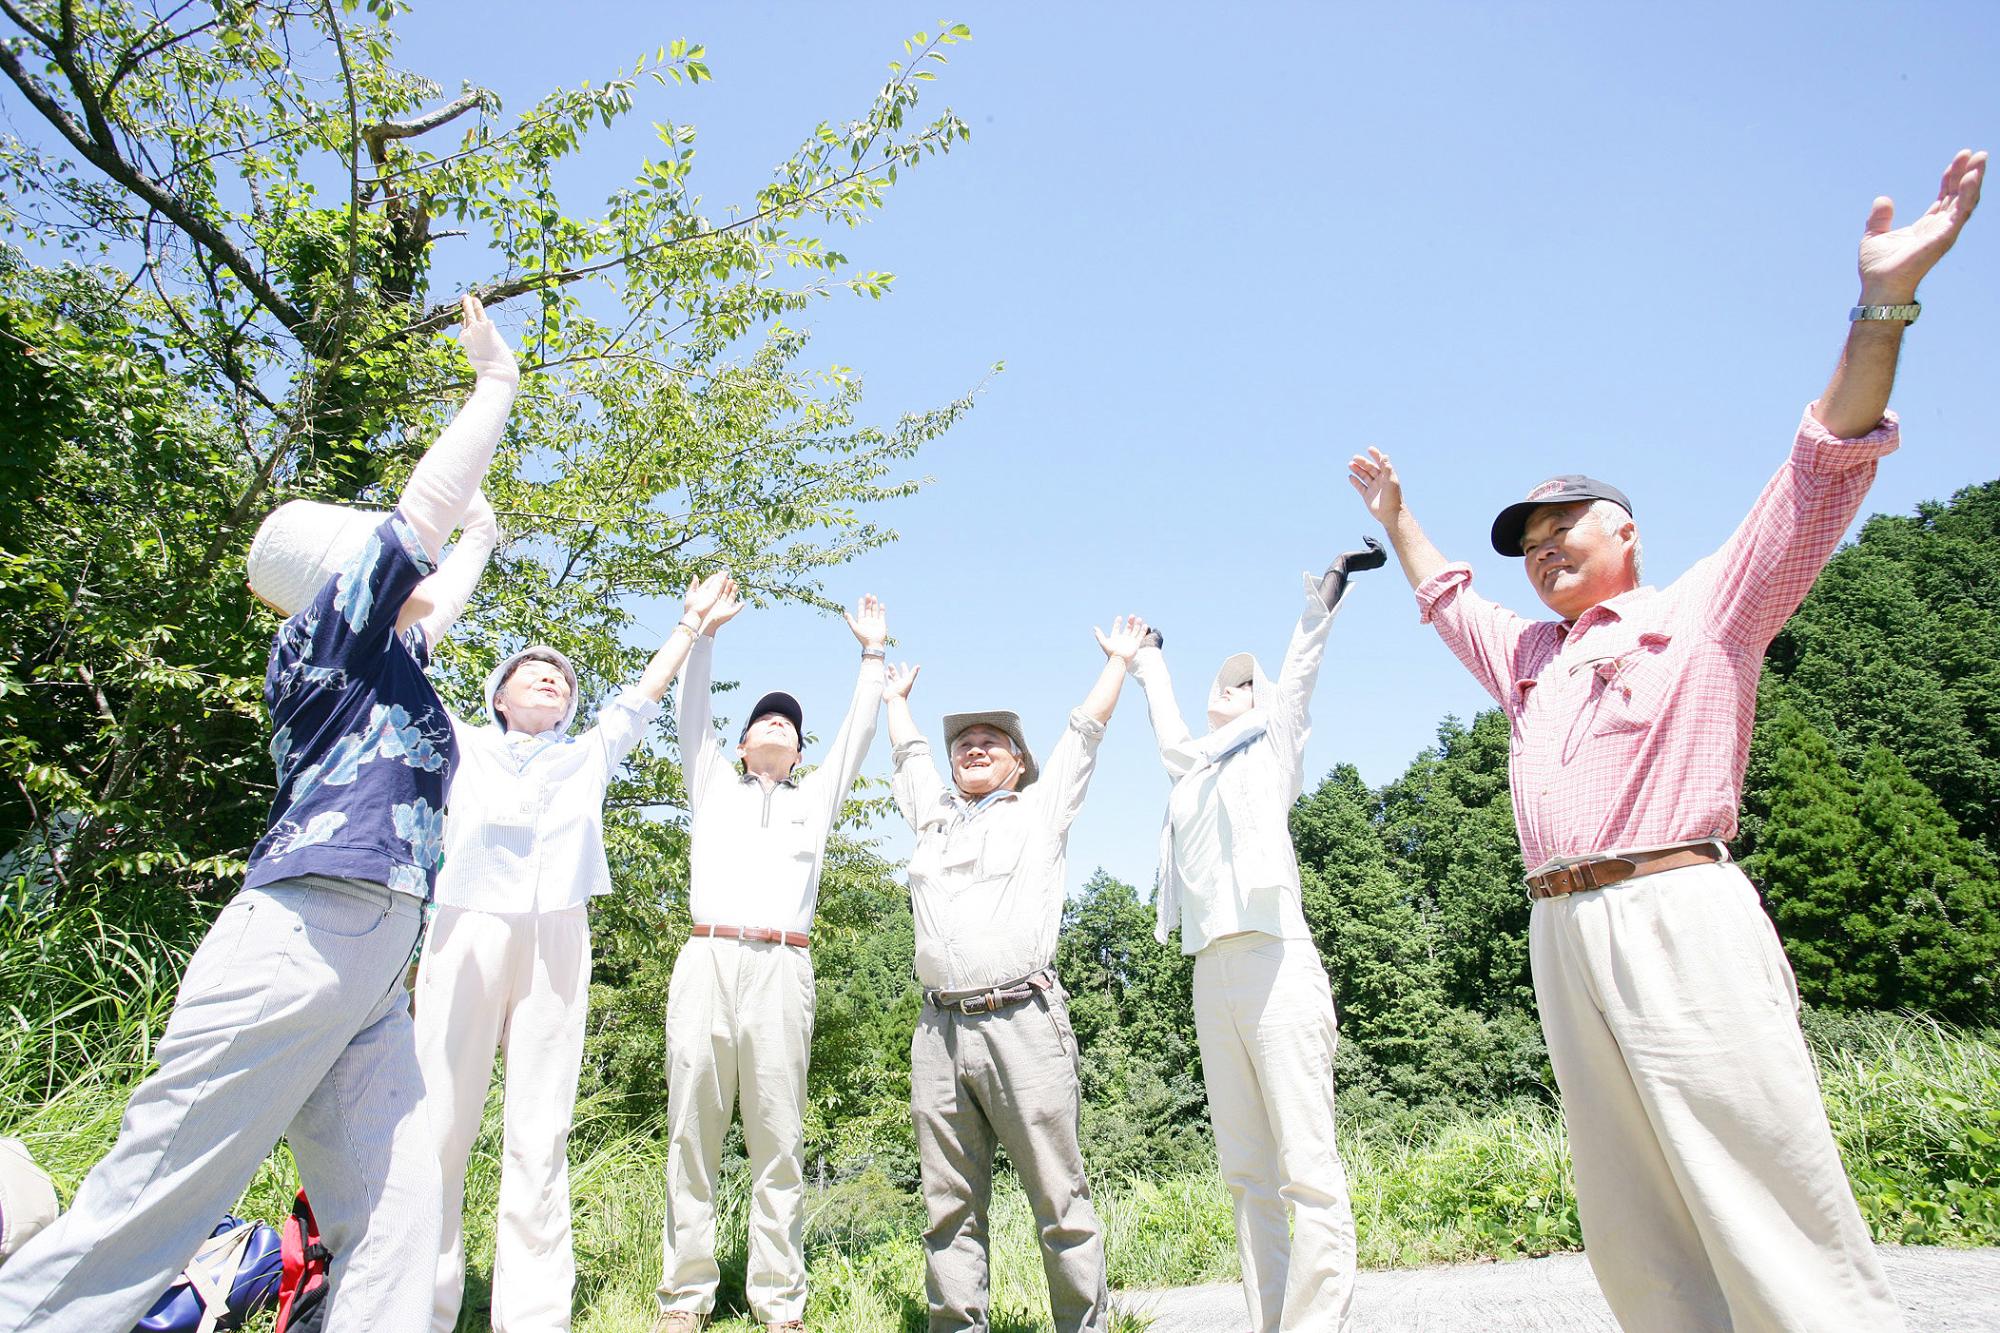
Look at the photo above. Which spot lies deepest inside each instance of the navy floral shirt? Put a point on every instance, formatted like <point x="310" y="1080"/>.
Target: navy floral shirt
<point x="362" y="742"/>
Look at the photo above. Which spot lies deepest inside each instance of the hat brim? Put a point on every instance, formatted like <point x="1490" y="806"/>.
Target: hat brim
<point x="1007" y="724"/>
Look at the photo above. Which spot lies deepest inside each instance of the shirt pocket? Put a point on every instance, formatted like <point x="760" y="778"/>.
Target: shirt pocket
<point x="1627" y="689"/>
<point x="1000" y="849"/>
<point x="795" y="835"/>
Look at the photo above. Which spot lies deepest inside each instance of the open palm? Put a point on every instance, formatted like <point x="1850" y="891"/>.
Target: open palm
<point x="1894" y="261"/>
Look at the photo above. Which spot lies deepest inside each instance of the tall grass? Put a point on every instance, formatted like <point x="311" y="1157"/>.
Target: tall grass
<point x="1915" y="1105"/>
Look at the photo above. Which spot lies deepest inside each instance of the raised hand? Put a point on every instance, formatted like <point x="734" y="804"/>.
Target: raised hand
<point x="869" y="623"/>
<point x="1374" y="480"/>
<point x="1893" y="262"/>
<point x="484" y="347"/>
<point x="703" y="595"/>
<point x="723" y="610"/>
<point x="1127" y="637"/>
<point x="897" y="679"/>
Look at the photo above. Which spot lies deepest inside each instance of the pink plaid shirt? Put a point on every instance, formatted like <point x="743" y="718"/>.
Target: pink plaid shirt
<point x="1631" y="724"/>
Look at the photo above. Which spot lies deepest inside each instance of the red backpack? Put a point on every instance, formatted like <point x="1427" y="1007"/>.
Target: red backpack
<point x="302" y="1293"/>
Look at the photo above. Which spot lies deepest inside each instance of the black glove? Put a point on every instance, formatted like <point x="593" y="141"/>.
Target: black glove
<point x="1333" y="584"/>
<point x="1155" y="639"/>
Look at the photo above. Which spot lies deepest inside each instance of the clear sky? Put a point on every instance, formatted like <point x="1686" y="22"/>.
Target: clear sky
<point x="1220" y="248"/>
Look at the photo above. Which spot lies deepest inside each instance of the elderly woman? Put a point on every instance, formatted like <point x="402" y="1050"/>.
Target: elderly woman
<point x="293" y="1018"/>
<point x="1263" y="1010"/>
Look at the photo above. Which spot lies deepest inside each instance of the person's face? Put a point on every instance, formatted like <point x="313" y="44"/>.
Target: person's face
<point x="535" y="696"/>
<point x="1234" y="702"/>
<point x="983" y="761"/>
<point x="1573" y="560"/>
<point x="773" y="741"/>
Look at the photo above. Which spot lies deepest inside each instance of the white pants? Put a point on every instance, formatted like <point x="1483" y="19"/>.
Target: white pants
<point x="292" y="1019"/>
<point x="1263" y="1013"/>
<point x="738" y="1013"/>
<point x="1707" y="1180"/>
<point x="519" y="983"/>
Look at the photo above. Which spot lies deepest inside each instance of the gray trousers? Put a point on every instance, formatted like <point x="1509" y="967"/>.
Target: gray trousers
<point x="292" y="1019"/>
<point x="1008" y="1077"/>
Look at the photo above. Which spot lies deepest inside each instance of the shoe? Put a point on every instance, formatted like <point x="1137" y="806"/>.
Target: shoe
<point x="681" y="1321"/>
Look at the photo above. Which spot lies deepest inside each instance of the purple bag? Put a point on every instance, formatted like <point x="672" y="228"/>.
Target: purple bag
<point x="233" y="1275"/>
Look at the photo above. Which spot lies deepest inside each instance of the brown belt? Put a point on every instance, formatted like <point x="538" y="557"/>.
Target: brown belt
<point x="1595" y="874"/>
<point x="998" y="997"/>
<point x="756" y="935"/>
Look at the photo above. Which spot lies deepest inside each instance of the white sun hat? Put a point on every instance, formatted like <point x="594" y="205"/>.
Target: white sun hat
<point x="301" y="545"/>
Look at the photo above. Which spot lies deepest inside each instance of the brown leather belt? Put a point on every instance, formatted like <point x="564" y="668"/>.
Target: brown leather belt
<point x="1597" y="873"/>
<point x="756" y="935"/>
<point x="998" y="997"/>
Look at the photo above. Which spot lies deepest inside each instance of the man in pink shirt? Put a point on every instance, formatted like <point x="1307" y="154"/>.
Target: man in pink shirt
<point x="1710" y="1189"/>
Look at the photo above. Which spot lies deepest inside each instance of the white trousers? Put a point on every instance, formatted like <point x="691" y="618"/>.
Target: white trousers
<point x="292" y="1019"/>
<point x="1707" y="1180"/>
<point x="738" y="1014"/>
<point x="1263" y="1014"/>
<point x="519" y="983"/>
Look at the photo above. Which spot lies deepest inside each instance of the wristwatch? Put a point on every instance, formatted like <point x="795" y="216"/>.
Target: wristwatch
<point x="1907" y="313"/>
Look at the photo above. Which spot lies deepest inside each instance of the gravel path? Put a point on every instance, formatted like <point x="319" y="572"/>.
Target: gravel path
<point x="1940" y="1290"/>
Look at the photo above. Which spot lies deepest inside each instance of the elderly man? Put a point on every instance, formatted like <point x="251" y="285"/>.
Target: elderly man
<point x="740" y="1004"/>
<point x="506" y="962"/>
<point x="1710" y="1190"/>
<point x="994" y="1059"/>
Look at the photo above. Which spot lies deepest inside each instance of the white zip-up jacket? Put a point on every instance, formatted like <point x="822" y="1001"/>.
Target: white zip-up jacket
<point x="755" y="854"/>
<point x="1257" y="767"/>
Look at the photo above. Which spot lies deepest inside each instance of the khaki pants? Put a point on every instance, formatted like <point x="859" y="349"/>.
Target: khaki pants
<point x="1710" y="1190"/>
<point x="737" y="1013"/>
<point x="1008" y="1077"/>
<point x="1263" y="1013"/>
<point x="519" y="983"/>
<point x="292" y="1019"/>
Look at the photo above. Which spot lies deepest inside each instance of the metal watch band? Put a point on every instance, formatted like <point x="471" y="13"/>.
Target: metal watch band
<point x="1907" y="313"/>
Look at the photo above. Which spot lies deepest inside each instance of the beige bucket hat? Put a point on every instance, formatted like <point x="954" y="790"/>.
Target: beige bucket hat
<point x="1007" y="724"/>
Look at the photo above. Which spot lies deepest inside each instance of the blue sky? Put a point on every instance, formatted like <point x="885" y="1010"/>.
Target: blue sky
<point x="1221" y="248"/>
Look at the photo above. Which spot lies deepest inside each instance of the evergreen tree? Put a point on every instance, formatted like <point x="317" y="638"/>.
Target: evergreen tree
<point x="1942" y="892"/>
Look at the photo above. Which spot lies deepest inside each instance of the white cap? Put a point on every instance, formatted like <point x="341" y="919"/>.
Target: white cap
<point x="301" y="545"/>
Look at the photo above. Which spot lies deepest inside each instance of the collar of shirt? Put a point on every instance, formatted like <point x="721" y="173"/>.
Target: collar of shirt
<point x="523" y="746"/>
<point x="970" y="810"/>
<point x="1611" y="608"/>
<point x="789" y="780"/>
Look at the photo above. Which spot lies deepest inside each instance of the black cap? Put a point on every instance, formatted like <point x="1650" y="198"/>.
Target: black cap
<point x="1566" y="489"/>
<point x="785" y="706"/>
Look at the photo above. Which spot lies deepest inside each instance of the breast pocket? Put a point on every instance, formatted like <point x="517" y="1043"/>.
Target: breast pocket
<point x="795" y="831"/>
<point x="1629" y="688"/>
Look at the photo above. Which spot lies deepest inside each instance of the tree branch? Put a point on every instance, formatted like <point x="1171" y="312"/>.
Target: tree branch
<point x="378" y="135"/>
<point x="98" y="147"/>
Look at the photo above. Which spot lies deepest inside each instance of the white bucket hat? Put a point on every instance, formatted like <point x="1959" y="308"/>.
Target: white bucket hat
<point x="301" y="545"/>
<point x="498" y="676"/>
<point x="27" y="1198"/>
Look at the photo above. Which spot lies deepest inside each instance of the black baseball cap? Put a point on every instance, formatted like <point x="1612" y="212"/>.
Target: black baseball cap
<point x="1566" y="489"/>
<point x="785" y="706"/>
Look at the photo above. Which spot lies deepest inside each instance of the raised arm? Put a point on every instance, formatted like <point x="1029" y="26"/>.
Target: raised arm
<point x="1481" y="635"/>
<point x="441" y="599"/>
<point x="1381" y="490"/>
<point x="834" y="778"/>
<point x="702" y="755"/>
<point x="916" y="783"/>
<point x="1291" y="719"/>
<point x="435" y="498"/>
<point x="1170" y="729"/>
<point x="1892" y="263"/>
<point x="1128" y="635"/>
<point x="702" y="598"/>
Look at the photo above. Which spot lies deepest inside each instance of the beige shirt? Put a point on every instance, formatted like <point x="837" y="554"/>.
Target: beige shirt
<point x="754" y="851"/>
<point x="987" y="877"/>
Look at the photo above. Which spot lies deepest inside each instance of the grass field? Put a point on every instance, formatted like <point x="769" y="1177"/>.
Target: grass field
<point x="1916" y="1107"/>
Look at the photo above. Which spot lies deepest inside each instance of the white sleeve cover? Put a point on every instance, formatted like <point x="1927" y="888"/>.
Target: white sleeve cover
<point x="451" y="470"/>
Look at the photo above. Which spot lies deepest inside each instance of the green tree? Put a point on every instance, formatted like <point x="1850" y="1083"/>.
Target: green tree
<point x="266" y="195"/>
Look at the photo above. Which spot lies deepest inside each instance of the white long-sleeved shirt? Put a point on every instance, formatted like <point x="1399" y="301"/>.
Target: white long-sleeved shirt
<point x="525" y="831"/>
<point x="1226" y="859"/>
<point x="987" y="877"/>
<point x="755" y="852"/>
